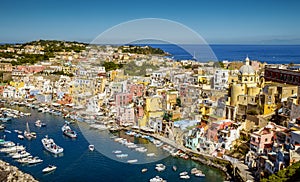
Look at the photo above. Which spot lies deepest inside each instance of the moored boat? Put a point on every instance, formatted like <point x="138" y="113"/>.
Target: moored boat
<point x="50" y="146"/>
<point x="66" y="129"/>
<point x="91" y="147"/>
<point x="49" y="169"/>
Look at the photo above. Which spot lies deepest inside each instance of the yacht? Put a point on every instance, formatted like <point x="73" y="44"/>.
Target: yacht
<point x="50" y="146"/>
<point x="21" y="155"/>
<point x="49" y="169"/>
<point x="68" y="131"/>
<point x="35" y="160"/>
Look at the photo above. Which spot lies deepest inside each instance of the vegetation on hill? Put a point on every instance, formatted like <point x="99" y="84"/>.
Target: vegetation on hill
<point x="142" y="50"/>
<point x="291" y="173"/>
<point x="132" y="69"/>
<point x="111" y="66"/>
<point x="48" y="47"/>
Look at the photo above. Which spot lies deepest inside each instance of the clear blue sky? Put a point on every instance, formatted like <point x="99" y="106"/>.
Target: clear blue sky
<point x="226" y="21"/>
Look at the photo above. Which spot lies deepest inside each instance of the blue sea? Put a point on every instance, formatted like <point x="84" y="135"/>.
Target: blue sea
<point x="271" y="54"/>
<point x="77" y="163"/>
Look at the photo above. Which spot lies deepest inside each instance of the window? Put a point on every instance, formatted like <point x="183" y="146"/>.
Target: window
<point x="266" y="140"/>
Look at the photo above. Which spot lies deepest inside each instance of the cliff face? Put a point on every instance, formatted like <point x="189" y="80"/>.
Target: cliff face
<point x="10" y="173"/>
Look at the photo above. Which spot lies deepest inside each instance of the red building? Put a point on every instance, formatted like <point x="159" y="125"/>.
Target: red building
<point x="282" y="76"/>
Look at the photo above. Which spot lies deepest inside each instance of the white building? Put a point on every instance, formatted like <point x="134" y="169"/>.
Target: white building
<point x="221" y="79"/>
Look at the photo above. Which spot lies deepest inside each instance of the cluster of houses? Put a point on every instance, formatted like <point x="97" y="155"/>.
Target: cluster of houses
<point x="204" y="107"/>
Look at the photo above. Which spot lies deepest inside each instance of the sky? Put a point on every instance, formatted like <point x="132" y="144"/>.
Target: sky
<point x="218" y="22"/>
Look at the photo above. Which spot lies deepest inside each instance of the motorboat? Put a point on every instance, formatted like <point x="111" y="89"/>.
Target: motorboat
<point x="21" y="137"/>
<point x="50" y="146"/>
<point x="185" y="177"/>
<point x="35" y="160"/>
<point x="38" y="123"/>
<point x="49" y="169"/>
<point x="156" y="179"/>
<point x="183" y="173"/>
<point x="151" y="154"/>
<point x="66" y="129"/>
<point x="21" y="155"/>
<point x="91" y="147"/>
<point x="117" y="151"/>
<point x="144" y="170"/>
<point x="160" y="167"/>
<point x="132" y="161"/>
<point x="12" y="149"/>
<point x="122" y="155"/>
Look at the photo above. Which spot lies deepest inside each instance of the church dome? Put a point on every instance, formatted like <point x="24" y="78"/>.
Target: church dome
<point x="246" y="69"/>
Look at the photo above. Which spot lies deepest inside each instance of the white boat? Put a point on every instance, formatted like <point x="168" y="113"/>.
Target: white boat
<point x="12" y="149"/>
<point x="50" y="146"/>
<point x="24" y="160"/>
<point x="183" y="173"/>
<point x="132" y="161"/>
<point x="122" y="155"/>
<point x="174" y="168"/>
<point x="185" y="177"/>
<point x="117" y="151"/>
<point x="144" y="170"/>
<point x="35" y="160"/>
<point x="49" y="169"/>
<point x="7" y="131"/>
<point x="66" y="129"/>
<point x="29" y="135"/>
<point x="21" y="137"/>
<point x="91" y="147"/>
<point x="9" y="144"/>
<point x="38" y="123"/>
<point x="141" y="149"/>
<point x="156" y="179"/>
<point x="21" y="155"/>
<point x="18" y="131"/>
<point x="2" y="127"/>
<point x="200" y="174"/>
<point x="160" y="167"/>
<point x="151" y="154"/>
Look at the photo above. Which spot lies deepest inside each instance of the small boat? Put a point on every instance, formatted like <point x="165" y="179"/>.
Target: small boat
<point x="50" y="146"/>
<point x="2" y="127"/>
<point x="38" y="123"/>
<point x="35" y="160"/>
<point x="183" y="173"/>
<point x="21" y="137"/>
<point x="117" y="151"/>
<point x="122" y="155"/>
<point x="18" y="131"/>
<point x="200" y="174"/>
<point x="8" y="144"/>
<point x="91" y="147"/>
<point x="160" y="167"/>
<point x="49" y="169"/>
<point x="29" y="135"/>
<point x="151" y="154"/>
<point x="144" y="170"/>
<point x="7" y="131"/>
<point x="185" y="177"/>
<point x="156" y="179"/>
<point x="174" y="168"/>
<point x="132" y="161"/>
<point x="66" y="129"/>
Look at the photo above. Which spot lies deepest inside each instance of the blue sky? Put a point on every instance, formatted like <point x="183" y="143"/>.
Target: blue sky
<point x="218" y="22"/>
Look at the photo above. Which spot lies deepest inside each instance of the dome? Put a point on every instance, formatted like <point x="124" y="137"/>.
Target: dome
<point x="246" y="69"/>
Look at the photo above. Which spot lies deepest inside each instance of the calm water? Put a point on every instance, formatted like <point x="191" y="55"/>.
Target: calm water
<point x="272" y="54"/>
<point x="79" y="164"/>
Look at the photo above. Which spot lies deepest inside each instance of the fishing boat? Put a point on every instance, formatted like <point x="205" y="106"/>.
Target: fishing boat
<point x="50" y="146"/>
<point x="49" y="169"/>
<point x="66" y="129"/>
<point x="91" y="147"/>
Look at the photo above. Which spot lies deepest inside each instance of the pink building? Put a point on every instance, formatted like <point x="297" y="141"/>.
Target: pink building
<point x="262" y="140"/>
<point x="125" y="115"/>
<point x="136" y="89"/>
<point x="123" y="99"/>
<point x="30" y="69"/>
<point x="215" y="127"/>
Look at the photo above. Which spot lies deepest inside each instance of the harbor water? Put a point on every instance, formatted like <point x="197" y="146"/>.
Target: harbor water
<point x="78" y="163"/>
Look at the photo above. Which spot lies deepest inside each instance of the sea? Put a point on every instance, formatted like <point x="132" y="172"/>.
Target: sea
<point x="271" y="54"/>
<point x="78" y="163"/>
